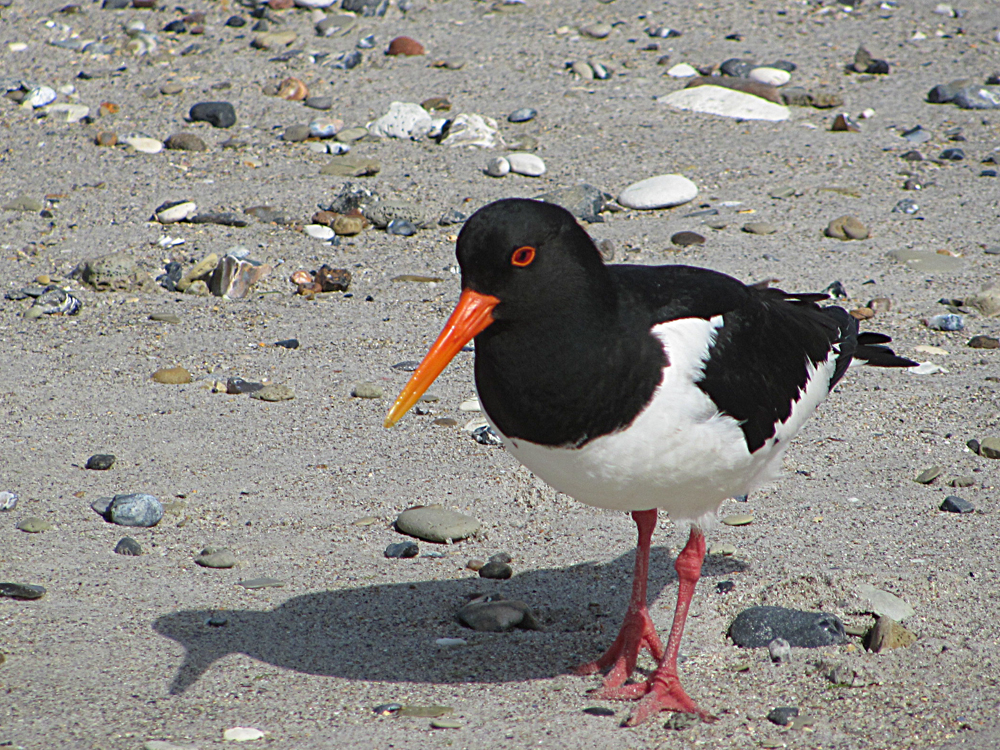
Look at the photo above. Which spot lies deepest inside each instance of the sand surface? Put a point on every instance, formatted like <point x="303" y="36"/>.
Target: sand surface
<point x="117" y="653"/>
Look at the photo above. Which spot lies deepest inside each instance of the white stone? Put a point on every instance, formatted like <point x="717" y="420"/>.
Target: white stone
<point x="716" y="100"/>
<point x="242" y="734"/>
<point x="451" y="642"/>
<point x="337" y="148"/>
<point x="145" y="145"/>
<point x="662" y="191"/>
<point x="867" y="114"/>
<point x="919" y="35"/>
<point x="526" y="164"/>
<point x="175" y="213"/>
<point x="471" y="404"/>
<point x="497" y="167"/>
<point x="943" y="9"/>
<point x="164" y="744"/>
<point x="770" y="76"/>
<point x="402" y="120"/>
<point x="473" y="130"/>
<point x="314" y="3"/>
<point x="319" y="231"/>
<point x="316" y="147"/>
<point x="682" y="70"/>
<point x="67" y="89"/>
<point x="926" y="368"/>
<point x="926" y="349"/>
<point x="74" y="112"/>
<point x="17" y="46"/>
<point x="38" y="97"/>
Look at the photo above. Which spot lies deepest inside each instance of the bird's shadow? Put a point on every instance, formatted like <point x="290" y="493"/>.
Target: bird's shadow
<point x="386" y="632"/>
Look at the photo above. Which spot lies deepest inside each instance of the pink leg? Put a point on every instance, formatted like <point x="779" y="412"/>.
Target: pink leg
<point x="663" y="691"/>
<point x="637" y="630"/>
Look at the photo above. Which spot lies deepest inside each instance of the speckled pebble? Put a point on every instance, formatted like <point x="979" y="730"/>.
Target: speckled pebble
<point x="128" y="546"/>
<point x="212" y="557"/>
<point x="33" y="525"/>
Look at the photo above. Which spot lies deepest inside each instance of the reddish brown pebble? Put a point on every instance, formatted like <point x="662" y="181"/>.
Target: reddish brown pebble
<point x="149" y="4"/>
<point x="403" y="45"/>
<point x="280" y="4"/>
<point x="301" y="277"/>
<point x="106" y="138"/>
<point x="863" y="313"/>
<point x="474" y="564"/>
<point x="108" y="108"/>
<point x="293" y="90"/>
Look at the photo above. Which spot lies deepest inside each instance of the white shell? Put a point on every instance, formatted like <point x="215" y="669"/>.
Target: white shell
<point x="716" y="100"/>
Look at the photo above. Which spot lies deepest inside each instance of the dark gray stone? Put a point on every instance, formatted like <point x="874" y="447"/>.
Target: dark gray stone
<point x="952" y="154"/>
<point x="783" y="715"/>
<point x="128" y="546"/>
<point x="101" y="461"/>
<point x="366" y="7"/>
<point x="736" y="68"/>
<point x="494" y="614"/>
<point x="402" y="549"/>
<point x="584" y="201"/>
<point x="217" y="114"/>
<point x="497" y="570"/>
<point x="21" y="591"/>
<point x="758" y="626"/>
<point x="956" y="504"/>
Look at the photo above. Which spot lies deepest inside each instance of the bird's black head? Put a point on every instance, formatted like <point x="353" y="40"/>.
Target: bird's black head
<point x="532" y="256"/>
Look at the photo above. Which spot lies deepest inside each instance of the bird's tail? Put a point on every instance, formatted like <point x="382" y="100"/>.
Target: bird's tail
<point x="872" y="351"/>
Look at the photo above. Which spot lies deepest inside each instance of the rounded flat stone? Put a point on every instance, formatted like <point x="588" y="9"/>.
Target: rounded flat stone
<point x="128" y="546"/>
<point x="21" y="591"/>
<point x="216" y="114"/>
<point x="662" y="191"/>
<point x="756" y="627"/>
<point x="716" y="100"/>
<point x="433" y="523"/>
<point x="367" y="390"/>
<point x="526" y="164"/>
<point x="496" y="570"/>
<point x="274" y="392"/>
<point x="211" y="557"/>
<point x="144" y="145"/>
<point x="739" y="519"/>
<point x="494" y="614"/>
<point x="524" y="114"/>
<point x="33" y="525"/>
<point x="172" y="376"/>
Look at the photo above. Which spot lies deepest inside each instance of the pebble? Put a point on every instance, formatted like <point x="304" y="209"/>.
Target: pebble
<point x="174" y="211"/>
<point x="172" y="376"/>
<point x="445" y="724"/>
<point x="956" y="504"/>
<point x="216" y="557"/>
<point x="770" y="76"/>
<point x="274" y="392"/>
<point x="261" y="583"/>
<point x="946" y="322"/>
<point x="725" y="102"/>
<point x="132" y="509"/>
<point x="350" y="166"/>
<point x="847" y="228"/>
<point x="33" y="525"/>
<point x="24" y="202"/>
<point x="526" y="164"/>
<point x="686" y="238"/>
<point x="596" y="30"/>
<point x="387" y="709"/>
<point x="38" y="97"/>
<point x="779" y="650"/>
<point x="171" y="88"/>
<point x="783" y="715"/>
<point x="843" y="123"/>
<point x="54" y="301"/>
<point x="882" y="603"/>
<point x="348" y="226"/>
<point x="929" y="475"/>
<point x="318" y="231"/>
<point x="424" y="712"/>
<point x="101" y="461"/>
<point x="325" y="127"/>
<point x="682" y="70"/>
<point x="524" y="114"/>
<point x="740" y="519"/>
<point x="242" y="734"/>
<point x="21" y="591"/>
<point x="433" y="523"/>
<point x="403" y="120"/>
<point x="989" y="447"/>
<point x="599" y="711"/>
<point x="759" y="227"/>
<point x="888" y="634"/>
<point x="216" y="114"/>
<point x="185" y="142"/>
<point x="8" y="500"/>
<point x="319" y="102"/>
<point x="405" y="46"/>
<point x="496" y="570"/>
<point x="128" y="546"/>
<point x="983" y="342"/>
<point x="494" y="614"/>
<point x="736" y="68"/>
<point x="402" y="549"/>
<point x="756" y="627"/>
<point x="143" y="144"/>
<point x="952" y="154"/>
<point x="662" y="191"/>
<point x="917" y="135"/>
<point x="401" y="227"/>
<point x="367" y="390"/>
<point x="498" y="166"/>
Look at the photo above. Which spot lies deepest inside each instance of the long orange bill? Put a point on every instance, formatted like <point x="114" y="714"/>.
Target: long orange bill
<point x="473" y="314"/>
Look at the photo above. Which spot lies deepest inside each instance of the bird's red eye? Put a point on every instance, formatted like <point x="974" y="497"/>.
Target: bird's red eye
<point x="523" y="256"/>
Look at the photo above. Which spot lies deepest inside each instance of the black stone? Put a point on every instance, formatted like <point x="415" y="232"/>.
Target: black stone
<point x="782" y="715"/>
<point x="724" y="587"/>
<point x="217" y="114"/>
<point x="114" y="4"/>
<point x="365" y="7"/>
<point x="288" y="343"/>
<point x="176" y="27"/>
<point x="988" y="173"/>
<point x="101" y="461"/>
<point x="402" y="549"/>
<point x="599" y="711"/>
<point x="494" y="614"/>
<point x="786" y="65"/>
<point x="956" y="504"/>
<point x="236" y="22"/>
<point x="236" y="386"/>
<point x="878" y="67"/>
<point x="485" y="436"/>
<point x="128" y="546"/>
<point x="736" y="68"/>
<point x="496" y="570"/>
<point x="173" y="273"/>
<point x="757" y="626"/>
<point x="225" y="218"/>
<point x="217" y="621"/>
<point x="21" y="591"/>
<point x="952" y="154"/>
<point x="408" y="365"/>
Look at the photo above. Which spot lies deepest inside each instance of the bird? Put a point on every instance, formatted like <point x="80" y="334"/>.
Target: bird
<point x="636" y="388"/>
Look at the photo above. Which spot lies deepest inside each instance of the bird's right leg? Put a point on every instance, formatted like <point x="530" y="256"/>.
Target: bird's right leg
<point x="637" y="631"/>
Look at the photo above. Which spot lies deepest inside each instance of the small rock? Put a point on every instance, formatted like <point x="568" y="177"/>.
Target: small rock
<point x="759" y="227"/>
<point x="405" y="46"/>
<point x="21" y="591"/>
<point x="525" y="114"/>
<point x="882" y="603"/>
<point x="599" y="711"/>
<point x="494" y="614"/>
<point x="128" y="546"/>
<point x="847" y="228"/>
<point x="172" y="375"/>
<point x="946" y="322"/>
<point x="526" y="164"/>
<point x="842" y="123"/>
<point x="134" y="509"/>
<point x="401" y="227"/>
<point x="758" y="626"/>
<point x="445" y="724"/>
<point x="33" y="525"/>
<point x="984" y="342"/>
<point x="663" y="191"/>
<point x="261" y="583"/>
<point x="433" y="523"/>
<point x="242" y="734"/>
<point x="217" y="114"/>
<point x="101" y="461"/>
<point x="783" y="715"/>
<point x="725" y="102"/>
<point x="888" y="634"/>
<point x="496" y="570"/>
<point x="929" y="475"/>
<point x="8" y="500"/>
<point x="24" y="203"/>
<point x="319" y="102"/>
<point x="471" y="130"/>
<point x="498" y="167"/>
<point x="682" y="70"/>
<point x="779" y="650"/>
<point x="367" y="390"/>
<point x="402" y="549"/>
<point x="956" y="504"/>
<point x="174" y="211"/>
<point x="684" y="239"/>
<point x="144" y="145"/>
<point x="770" y="76"/>
<point x="185" y="142"/>
<point x="274" y="392"/>
<point x="387" y="709"/>
<point x="212" y="557"/>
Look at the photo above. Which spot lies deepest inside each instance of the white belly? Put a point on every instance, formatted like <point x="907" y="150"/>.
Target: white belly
<point x="679" y="454"/>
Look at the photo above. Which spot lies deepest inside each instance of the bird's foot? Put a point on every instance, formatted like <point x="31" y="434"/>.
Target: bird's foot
<point x="637" y="632"/>
<point x="664" y="693"/>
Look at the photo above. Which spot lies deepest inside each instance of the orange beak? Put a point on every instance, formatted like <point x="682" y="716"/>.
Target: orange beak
<point x="472" y="315"/>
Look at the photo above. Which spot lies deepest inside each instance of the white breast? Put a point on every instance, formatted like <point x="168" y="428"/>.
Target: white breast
<point x="679" y="454"/>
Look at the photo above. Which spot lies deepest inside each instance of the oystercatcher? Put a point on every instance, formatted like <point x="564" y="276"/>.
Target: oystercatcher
<point x="636" y="388"/>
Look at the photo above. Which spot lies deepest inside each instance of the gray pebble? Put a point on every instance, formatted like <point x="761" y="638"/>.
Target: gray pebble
<point x="780" y="650"/>
<point x="952" y="154"/>
<point x="21" y="591"/>
<point x="128" y="546"/>
<point x="134" y="509"/>
<point x="494" y="614"/>
<point x="759" y="227"/>
<point x="917" y="135"/>
<point x="956" y="504"/>
<point x="261" y="583"/>
<point x="33" y="525"/>
<point x="296" y="133"/>
<point x="401" y="227"/>
<point x="8" y="500"/>
<point x="101" y="461"/>
<point x="499" y="571"/>
<point x="500" y="557"/>
<point x="756" y="627"/>
<point x="783" y="715"/>
<point x="212" y="557"/>
<point x="524" y="114"/>
<point x="319" y="102"/>
<point x="433" y="523"/>
<point x="485" y="436"/>
<point x="402" y="549"/>
<point x="906" y="206"/>
<point x="367" y="390"/>
<point x="217" y="621"/>
<point x="274" y="392"/>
